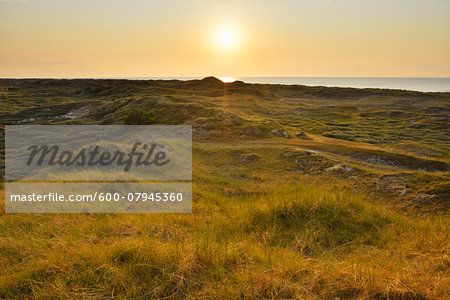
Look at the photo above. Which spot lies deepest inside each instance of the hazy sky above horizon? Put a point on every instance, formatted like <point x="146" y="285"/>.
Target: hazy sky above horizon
<point x="177" y="38"/>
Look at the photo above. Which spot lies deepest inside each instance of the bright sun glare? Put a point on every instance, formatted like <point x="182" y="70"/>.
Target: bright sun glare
<point x="226" y="37"/>
<point x="227" y="79"/>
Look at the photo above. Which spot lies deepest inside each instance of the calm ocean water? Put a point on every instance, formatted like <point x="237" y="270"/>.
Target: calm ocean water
<point x="413" y="84"/>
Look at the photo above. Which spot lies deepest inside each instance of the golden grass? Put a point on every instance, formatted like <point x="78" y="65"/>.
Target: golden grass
<point x="257" y="230"/>
<point x="294" y="242"/>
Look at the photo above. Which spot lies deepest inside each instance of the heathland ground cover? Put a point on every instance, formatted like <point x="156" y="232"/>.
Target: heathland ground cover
<point x="299" y="192"/>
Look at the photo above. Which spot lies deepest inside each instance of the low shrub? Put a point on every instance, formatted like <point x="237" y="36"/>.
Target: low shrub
<point x="140" y="117"/>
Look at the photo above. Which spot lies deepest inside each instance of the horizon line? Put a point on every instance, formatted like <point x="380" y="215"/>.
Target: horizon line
<point x="201" y="77"/>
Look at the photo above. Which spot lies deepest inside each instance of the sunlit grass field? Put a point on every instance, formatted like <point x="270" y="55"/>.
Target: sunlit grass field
<point x="298" y="193"/>
<point x="298" y="241"/>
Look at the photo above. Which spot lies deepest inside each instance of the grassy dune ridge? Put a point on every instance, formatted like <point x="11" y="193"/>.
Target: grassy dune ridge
<point x="299" y="192"/>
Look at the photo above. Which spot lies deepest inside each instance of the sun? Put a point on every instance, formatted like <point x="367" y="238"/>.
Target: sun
<point x="226" y="37"/>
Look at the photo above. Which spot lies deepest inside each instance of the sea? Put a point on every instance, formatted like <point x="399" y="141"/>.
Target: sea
<point x="411" y="84"/>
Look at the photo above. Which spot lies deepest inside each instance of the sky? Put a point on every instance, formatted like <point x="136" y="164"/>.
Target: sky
<point x="251" y="38"/>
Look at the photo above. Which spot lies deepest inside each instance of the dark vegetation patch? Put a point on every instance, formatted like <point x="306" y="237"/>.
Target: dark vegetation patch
<point x="140" y="117"/>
